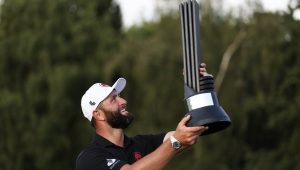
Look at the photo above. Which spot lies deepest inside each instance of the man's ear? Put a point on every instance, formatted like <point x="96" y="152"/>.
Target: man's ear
<point x="98" y="115"/>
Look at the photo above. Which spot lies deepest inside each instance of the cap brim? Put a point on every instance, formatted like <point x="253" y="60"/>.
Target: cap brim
<point x="119" y="85"/>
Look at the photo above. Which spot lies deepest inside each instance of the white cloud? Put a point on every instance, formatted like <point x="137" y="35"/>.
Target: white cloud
<point x="136" y="11"/>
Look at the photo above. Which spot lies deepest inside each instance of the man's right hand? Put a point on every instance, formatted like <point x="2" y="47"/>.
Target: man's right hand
<point x="188" y="136"/>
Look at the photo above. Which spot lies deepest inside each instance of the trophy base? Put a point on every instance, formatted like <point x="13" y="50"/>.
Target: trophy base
<point x="214" y="117"/>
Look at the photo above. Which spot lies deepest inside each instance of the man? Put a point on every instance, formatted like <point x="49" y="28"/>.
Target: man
<point x="112" y="149"/>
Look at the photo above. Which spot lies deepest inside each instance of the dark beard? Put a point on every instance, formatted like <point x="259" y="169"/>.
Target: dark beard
<point x="116" y="120"/>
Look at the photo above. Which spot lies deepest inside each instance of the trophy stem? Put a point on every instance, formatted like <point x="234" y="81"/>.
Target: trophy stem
<point x="189" y="11"/>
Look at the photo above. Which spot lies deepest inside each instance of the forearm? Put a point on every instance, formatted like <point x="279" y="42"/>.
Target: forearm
<point x="155" y="160"/>
<point x="158" y="159"/>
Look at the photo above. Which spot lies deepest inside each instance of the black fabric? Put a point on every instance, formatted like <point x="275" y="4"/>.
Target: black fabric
<point x="101" y="154"/>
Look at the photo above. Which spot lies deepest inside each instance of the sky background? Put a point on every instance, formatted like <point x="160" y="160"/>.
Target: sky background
<point x="136" y="11"/>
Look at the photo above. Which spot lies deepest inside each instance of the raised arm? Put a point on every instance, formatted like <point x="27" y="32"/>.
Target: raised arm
<point x="158" y="159"/>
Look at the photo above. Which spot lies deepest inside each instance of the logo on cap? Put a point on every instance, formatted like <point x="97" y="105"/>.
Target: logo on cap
<point x="92" y="103"/>
<point x="103" y="85"/>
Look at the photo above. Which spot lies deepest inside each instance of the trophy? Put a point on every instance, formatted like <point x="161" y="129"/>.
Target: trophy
<point x="200" y="99"/>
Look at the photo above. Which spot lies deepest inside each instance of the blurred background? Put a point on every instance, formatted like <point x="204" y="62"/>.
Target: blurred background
<point x="52" y="51"/>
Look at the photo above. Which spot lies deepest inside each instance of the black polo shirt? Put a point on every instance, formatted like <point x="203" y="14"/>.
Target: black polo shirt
<point x="101" y="154"/>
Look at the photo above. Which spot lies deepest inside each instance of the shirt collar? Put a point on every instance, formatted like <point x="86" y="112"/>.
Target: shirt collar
<point x="100" y="140"/>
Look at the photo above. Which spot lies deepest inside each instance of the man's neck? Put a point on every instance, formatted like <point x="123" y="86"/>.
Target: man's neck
<point x="115" y="136"/>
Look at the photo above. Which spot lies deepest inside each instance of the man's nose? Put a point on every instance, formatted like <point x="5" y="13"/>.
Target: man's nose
<point x="121" y="101"/>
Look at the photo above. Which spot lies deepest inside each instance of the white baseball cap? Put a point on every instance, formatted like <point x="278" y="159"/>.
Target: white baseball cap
<point x="96" y="94"/>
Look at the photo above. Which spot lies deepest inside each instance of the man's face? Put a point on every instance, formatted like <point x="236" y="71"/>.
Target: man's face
<point x="114" y="108"/>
